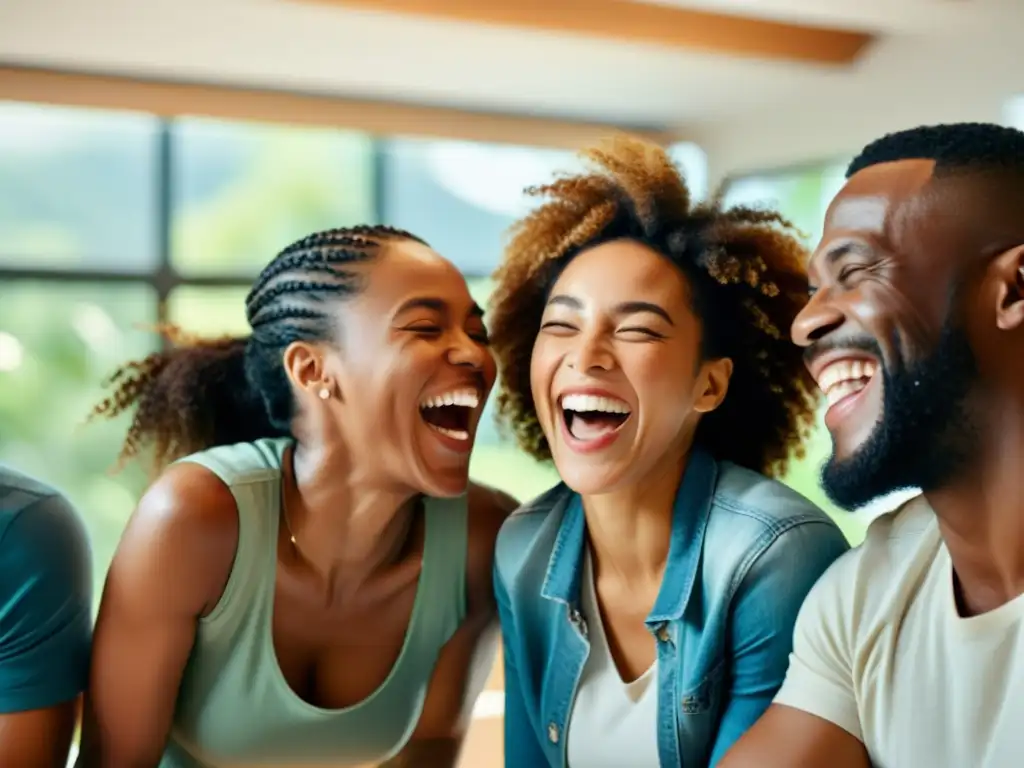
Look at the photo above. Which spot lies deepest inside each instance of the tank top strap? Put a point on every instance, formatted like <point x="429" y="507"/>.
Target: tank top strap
<point x="440" y="605"/>
<point x="252" y="472"/>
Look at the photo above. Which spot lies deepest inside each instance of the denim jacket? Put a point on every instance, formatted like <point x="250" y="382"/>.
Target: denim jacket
<point x="744" y="552"/>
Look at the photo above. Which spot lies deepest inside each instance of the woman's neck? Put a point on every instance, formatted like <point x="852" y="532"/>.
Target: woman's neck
<point x="343" y="519"/>
<point x="630" y="529"/>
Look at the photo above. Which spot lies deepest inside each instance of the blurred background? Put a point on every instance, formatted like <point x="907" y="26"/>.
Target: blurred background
<point x="154" y="156"/>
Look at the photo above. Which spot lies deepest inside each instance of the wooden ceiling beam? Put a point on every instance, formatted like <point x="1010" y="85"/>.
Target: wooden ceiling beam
<point x="235" y="103"/>
<point x="629" y="21"/>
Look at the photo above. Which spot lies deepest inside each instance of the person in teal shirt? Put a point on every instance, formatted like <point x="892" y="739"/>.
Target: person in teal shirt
<point x="45" y="621"/>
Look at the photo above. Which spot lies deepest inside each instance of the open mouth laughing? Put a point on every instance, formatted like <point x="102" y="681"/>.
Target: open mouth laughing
<point x="844" y="382"/>
<point x="592" y="421"/>
<point x="450" y="413"/>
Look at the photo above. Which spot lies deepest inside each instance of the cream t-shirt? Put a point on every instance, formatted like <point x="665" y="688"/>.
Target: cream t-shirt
<point x="614" y="724"/>
<point x="881" y="651"/>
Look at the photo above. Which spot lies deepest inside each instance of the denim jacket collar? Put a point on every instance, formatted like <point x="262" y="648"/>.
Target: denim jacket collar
<point x="689" y="523"/>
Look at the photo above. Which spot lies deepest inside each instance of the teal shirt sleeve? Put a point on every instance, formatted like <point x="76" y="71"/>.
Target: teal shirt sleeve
<point x="45" y="602"/>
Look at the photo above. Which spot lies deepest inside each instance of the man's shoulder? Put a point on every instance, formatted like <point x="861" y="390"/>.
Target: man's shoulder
<point x="14" y="482"/>
<point x="41" y="533"/>
<point x="893" y="537"/>
<point x="18" y="491"/>
<point x="45" y="596"/>
<point x="28" y="505"/>
<point x="872" y="582"/>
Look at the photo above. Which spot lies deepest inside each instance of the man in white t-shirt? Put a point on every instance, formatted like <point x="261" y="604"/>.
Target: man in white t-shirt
<point x="909" y="652"/>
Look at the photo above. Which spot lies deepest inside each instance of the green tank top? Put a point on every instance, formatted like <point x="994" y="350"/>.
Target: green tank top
<point x="235" y="707"/>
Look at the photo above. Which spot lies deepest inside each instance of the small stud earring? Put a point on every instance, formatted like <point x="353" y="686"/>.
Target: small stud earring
<point x="324" y="393"/>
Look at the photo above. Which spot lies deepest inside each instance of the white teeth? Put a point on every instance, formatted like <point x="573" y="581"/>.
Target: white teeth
<point x="458" y="434"/>
<point x="843" y="389"/>
<point x="845" y="377"/>
<point x="468" y="398"/>
<point x="583" y="403"/>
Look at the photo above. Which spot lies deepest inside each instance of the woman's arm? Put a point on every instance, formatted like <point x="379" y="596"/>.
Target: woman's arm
<point x="170" y="568"/>
<point x="442" y="728"/>
<point x="763" y="617"/>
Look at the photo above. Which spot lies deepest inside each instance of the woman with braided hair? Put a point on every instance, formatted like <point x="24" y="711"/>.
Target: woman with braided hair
<point x="308" y="581"/>
<point x="647" y="603"/>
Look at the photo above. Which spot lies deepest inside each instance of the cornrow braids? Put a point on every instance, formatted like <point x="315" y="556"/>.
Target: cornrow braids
<point x="746" y="271"/>
<point x="202" y="393"/>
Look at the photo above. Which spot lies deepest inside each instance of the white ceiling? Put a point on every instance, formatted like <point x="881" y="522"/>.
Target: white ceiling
<point x="865" y="15"/>
<point x="943" y="52"/>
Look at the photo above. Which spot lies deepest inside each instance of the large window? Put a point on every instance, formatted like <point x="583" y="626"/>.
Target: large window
<point x="801" y="194"/>
<point x="114" y="221"/>
<point x="239" y="191"/>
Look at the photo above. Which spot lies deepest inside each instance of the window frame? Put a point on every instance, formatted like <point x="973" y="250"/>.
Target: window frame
<point x="162" y="276"/>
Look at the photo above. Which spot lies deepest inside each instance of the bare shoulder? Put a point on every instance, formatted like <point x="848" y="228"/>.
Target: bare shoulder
<point x="188" y="504"/>
<point x="184" y="528"/>
<point x="488" y="510"/>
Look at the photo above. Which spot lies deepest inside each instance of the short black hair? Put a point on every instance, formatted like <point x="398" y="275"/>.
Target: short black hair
<point x="953" y="146"/>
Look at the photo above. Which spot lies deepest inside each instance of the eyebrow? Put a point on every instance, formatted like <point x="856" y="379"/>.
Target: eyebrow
<point x="838" y="252"/>
<point x="835" y="253"/>
<point x="625" y="308"/>
<point x="435" y="304"/>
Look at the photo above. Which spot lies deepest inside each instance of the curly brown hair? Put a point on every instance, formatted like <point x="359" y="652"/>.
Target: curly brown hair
<point x="746" y="271"/>
<point x="199" y="393"/>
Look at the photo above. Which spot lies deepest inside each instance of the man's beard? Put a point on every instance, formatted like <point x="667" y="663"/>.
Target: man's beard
<point x="924" y="436"/>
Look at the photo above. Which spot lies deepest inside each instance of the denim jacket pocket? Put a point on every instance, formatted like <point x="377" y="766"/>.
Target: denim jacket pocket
<point x="699" y="707"/>
<point x="704" y="696"/>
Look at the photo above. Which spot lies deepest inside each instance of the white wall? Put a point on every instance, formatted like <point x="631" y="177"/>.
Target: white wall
<point x="903" y="82"/>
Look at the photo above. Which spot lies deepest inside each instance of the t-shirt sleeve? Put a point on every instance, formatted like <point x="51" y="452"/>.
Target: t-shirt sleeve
<point x="45" y="606"/>
<point x="819" y="679"/>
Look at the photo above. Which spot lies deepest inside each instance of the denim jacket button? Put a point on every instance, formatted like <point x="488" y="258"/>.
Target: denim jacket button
<point x="577" y="620"/>
<point x="553" y="733"/>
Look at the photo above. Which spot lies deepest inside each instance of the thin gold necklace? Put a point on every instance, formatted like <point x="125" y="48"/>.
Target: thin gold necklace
<point x="284" y="502"/>
<point x="287" y="523"/>
<point x="291" y="536"/>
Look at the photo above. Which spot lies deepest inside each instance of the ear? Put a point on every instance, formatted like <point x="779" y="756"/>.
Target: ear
<point x="304" y="366"/>
<point x="1009" y="271"/>
<point x="713" y="383"/>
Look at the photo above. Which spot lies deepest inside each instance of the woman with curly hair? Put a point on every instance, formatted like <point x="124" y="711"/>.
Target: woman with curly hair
<point x="647" y="602"/>
<point x="309" y="582"/>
